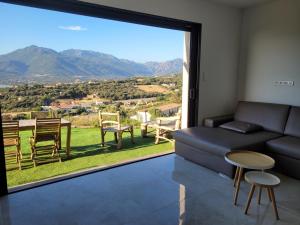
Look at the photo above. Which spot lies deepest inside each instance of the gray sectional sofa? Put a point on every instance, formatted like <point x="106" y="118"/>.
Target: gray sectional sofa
<point x="272" y="129"/>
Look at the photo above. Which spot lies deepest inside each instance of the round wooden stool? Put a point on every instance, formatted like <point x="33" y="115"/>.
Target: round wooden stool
<point x="261" y="180"/>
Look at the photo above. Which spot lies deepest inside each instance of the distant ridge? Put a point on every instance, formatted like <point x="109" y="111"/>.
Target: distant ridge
<point x="38" y="64"/>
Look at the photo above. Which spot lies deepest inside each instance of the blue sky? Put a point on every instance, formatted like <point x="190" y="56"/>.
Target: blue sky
<point x="23" y="26"/>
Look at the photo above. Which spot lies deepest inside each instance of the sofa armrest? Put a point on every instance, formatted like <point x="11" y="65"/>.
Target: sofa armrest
<point x="217" y="120"/>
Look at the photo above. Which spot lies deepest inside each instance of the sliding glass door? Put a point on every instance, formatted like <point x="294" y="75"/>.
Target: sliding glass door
<point x="70" y="89"/>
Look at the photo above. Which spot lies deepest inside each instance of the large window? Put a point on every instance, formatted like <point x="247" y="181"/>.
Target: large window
<point x="84" y="71"/>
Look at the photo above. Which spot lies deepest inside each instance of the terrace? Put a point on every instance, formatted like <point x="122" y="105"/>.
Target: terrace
<point x="86" y="154"/>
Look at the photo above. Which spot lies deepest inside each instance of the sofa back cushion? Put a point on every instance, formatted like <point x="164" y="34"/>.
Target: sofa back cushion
<point x="271" y="117"/>
<point x="293" y="124"/>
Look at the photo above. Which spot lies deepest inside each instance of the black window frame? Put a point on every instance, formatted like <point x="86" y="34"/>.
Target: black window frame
<point x="106" y="12"/>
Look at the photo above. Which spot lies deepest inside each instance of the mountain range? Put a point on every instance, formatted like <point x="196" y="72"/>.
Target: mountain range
<point x="38" y="64"/>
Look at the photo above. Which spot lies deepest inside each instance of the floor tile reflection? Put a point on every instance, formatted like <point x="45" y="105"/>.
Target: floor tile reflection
<point x="162" y="191"/>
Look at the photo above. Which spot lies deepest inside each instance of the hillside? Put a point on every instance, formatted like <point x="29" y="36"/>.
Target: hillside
<point x="37" y="64"/>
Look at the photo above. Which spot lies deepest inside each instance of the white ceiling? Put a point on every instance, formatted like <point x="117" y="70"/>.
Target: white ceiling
<point x="241" y="3"/>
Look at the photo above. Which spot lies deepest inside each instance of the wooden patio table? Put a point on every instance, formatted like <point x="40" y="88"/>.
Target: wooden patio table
<point x="30" y="125"/>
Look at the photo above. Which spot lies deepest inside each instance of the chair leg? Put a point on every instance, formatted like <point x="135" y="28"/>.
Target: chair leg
<point x="249" y="198"/>
<point x="157" y="136"/>
<point x="21" y="155"/>
<point x="55" y="151"/>
<point x="58" y="155"/>
<point x="116" y="137"/>
<point x="119" y="135"/>
<point x="102" y="137"/>
<point x="33" y="158"/>
<point x="19" y="162"/>
<point x="144" y="130"/>
<point x="132" y="134"/>
<point x="33" y="154"/>
<point x="19" y="151"/>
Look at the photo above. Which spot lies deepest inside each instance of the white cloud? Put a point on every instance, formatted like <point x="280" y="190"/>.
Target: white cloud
<point x="73" y="28"/>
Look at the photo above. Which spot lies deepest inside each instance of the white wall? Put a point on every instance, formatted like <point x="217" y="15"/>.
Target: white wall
<point x="220" y="45"/>
<point x="271" y="52"/>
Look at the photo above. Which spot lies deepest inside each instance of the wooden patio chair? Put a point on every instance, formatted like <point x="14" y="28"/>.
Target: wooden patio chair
<point x="110" y="122"/>
<point x="46" y="130"/>
<point x="165" y="126"/>
<point x="11" y="138"/>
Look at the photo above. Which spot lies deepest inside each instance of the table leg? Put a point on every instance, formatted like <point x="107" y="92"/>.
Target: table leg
<point x="68" y="142"/>
<point x="237" y="188"/>
<point x="259" y="195"/>
<point x="59" y="140"/>
<point x="269" y="194"/>
<point x="236" y="176"/>
<point x="273" y="202"/>
<point x="249" y="198"/>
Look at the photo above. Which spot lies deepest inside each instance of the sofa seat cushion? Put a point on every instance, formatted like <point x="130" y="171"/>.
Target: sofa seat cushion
<point x="220" y="141"/>
<point x="287" y="145"/>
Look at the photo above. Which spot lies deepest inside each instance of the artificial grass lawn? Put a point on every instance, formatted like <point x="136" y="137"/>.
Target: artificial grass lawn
<point x="86" y="152"/>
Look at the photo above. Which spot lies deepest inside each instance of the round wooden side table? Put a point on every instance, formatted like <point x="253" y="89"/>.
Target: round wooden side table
<point x="261" y="180"/>
<point x="248" y="160"/>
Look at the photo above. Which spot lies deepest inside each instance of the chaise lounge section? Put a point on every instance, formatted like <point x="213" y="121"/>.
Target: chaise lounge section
<point x="276" y="133"/>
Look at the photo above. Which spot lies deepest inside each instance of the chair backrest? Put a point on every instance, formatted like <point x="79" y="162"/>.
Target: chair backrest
<point x="39" y="115"/>
<point x="173" y="122"/>
<point x="54" y="113"/>
<point x="47" y="129"/>
<point x="109" y="119"/>
<point x="6" y="117"/>
<point x="10" y="130"/>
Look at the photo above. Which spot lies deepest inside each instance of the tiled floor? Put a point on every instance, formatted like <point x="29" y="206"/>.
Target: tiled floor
<point x="161" y="191"/>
